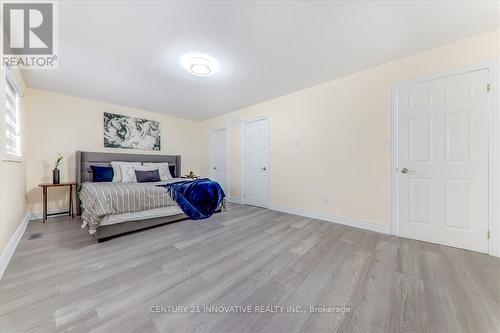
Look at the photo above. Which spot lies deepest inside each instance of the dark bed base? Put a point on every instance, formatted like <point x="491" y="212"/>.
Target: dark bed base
<point x="107" y="232"/>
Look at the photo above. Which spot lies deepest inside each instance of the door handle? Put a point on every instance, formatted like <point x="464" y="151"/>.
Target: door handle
<point x="405" y="171"/>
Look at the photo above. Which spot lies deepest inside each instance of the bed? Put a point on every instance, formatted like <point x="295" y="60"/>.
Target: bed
<point x="127" y="207"/>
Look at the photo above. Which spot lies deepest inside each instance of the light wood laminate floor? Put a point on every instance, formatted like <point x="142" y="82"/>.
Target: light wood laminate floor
<point x="247" y="257"/>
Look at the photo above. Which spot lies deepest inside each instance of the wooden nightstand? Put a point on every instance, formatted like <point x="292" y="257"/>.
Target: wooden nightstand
<point x="44" y="187"/>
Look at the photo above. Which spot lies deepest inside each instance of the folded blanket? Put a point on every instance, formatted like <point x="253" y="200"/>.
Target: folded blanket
<point x="198" y="199"/>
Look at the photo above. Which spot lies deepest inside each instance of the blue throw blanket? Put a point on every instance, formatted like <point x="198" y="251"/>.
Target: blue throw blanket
<point x="198" y="198"/>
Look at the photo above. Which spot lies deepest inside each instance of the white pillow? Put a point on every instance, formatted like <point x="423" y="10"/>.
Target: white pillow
<point x="128" y="172"/>
<point x="117" y="172"/>
<point x="162" y="169"/>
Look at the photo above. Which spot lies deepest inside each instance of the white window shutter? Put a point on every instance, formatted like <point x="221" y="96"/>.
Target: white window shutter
<point x="11" y="117"/>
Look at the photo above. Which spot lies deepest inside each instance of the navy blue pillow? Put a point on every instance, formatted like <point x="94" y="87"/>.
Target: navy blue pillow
<point x="171" y="168"/>
<point x="101" y="174"/>
<point x="147" y="176"/>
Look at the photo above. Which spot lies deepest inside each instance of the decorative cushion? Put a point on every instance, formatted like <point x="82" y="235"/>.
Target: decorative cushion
<point x="128" y="173"/>
<point x="101" y="174"/>
<point x="172" y="170"/>
<point x="147" y="176"/>
<point x="163" y="168"/>
<point x="117" y="172"/>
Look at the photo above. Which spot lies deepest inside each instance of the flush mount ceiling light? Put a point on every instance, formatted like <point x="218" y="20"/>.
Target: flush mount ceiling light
<point x="200" y="68"/>
<point x="199" y="65"/>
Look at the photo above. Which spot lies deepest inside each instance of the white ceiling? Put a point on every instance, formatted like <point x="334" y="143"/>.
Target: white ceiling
<point x="127" y="52"/>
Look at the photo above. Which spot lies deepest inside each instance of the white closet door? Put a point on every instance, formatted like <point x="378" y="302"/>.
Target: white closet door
<point x="443" y="138"/>
<point x="218" y="158"/>
<point x="256" y="162"/>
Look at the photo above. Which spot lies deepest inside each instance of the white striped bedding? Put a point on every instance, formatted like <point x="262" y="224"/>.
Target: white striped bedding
<point x="102" y="199"/>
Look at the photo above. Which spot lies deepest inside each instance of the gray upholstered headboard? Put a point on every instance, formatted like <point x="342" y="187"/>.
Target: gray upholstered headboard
<point x="85" y="159"/>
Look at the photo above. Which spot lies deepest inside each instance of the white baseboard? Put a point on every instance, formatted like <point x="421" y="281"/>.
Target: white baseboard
<point x="11" y="246"/>
<point x="237" y="200"/>
<point x="349" y="221"/>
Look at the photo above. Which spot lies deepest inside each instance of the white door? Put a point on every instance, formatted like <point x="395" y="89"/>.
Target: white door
<point x="256" y="162"/>
<point x="442" y="162"/>
<point x="218" y="158"/>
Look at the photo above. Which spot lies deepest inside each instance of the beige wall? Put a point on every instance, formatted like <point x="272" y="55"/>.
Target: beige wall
<point x="12" y="181"/>
<point x="326" y="141"/>
<point x="64" y="124"/>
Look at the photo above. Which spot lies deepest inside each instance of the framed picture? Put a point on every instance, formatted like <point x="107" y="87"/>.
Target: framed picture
<point x="131" y="133"/>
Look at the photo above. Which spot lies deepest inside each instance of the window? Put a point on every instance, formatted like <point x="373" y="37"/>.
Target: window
<point x="12" y="139"/>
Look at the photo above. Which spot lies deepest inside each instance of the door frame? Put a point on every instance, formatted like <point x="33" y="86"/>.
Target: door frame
<point x="211" y="132"/>
<point x="494" y="148"/>
<point x="268" y="178"/>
